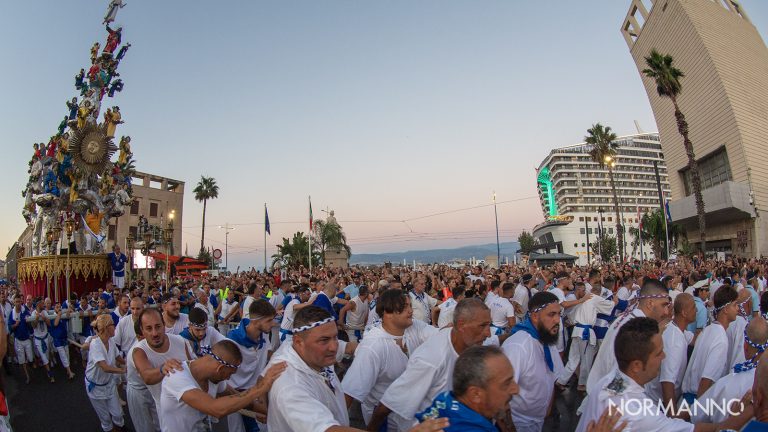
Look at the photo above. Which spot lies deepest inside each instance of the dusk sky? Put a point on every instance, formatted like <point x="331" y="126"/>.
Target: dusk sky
<point x="384" y="111"/>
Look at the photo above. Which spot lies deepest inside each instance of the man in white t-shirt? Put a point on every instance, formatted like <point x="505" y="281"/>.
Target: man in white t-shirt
<point x="709" y="361"/>
<point x="443" y="314"/>
<point x="639" y="352"/>
<point x="422" y="302"/>
<point x="286" y="325"/>
<point x="502" y="311"/>
<point x="430" y="368"/>
<point x="174" y="321"/>
<point x="125" y="335"/>
<point x="354" y="315"/>
<point x="667" y="386"/>
<point x="251" y="338"/>
<point x="204" y="303"/>
<point x="536" y="363"/>
<point x="523" y="294"/>
<point x="382" y="356"/>
<point x="185" y="405"/>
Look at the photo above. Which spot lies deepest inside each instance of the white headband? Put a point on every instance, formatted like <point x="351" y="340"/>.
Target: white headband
<point x="310" y="326"/>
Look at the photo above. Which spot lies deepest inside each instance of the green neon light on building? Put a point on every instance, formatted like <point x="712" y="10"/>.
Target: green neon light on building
<point x="544" y="180"/>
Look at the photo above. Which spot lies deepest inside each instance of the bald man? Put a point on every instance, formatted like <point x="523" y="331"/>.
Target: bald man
<point x="734" y="385"/>
<point x="759" y="398"/>
<point x="667" y="386"/>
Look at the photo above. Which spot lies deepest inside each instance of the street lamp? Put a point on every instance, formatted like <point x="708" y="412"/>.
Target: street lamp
<point x="69" y="228"/>
<point x="49" y="242"/>
<point x="129" y="244"/>
<point x="168" y="237"/>
<point x="146" y="248"/>
<point x="56" y="239"/>
<point x="227" y="229"/>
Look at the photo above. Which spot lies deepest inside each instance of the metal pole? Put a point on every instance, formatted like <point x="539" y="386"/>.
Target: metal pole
<point x="265" y="237"/>
<point x="310" y="236"/>
<point x="586" y="230"/>
<point x="600" y="232"/>
<point x="498" y="246"/>
<point x="661" y="207"/>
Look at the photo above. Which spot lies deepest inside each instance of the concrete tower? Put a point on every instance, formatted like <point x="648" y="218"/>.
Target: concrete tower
<point x="725" y="100"/>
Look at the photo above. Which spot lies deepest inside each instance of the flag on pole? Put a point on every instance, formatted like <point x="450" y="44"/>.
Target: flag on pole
<point x="639" y="219"/>
<point x="666" y="210"/>
<point x="310" y="214"/>
<point x="266" y="220"/>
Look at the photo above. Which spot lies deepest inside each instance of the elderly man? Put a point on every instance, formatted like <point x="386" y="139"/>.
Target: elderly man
<point x="430" y="369"/>
<point x="483" y="384"/>
<point x="204" y="303"/>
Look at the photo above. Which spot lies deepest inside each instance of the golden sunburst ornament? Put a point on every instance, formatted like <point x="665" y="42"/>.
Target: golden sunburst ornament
<point x="92" y="149"/>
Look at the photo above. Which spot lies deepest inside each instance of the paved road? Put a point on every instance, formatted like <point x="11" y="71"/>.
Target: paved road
<point x="64" y="407"/>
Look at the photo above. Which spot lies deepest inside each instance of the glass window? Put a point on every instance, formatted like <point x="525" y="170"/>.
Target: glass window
<point x="135" y="206"/>
<point x="153" y="209"/>
<point x="714" y="169"/>
<point x="581" y="230"/>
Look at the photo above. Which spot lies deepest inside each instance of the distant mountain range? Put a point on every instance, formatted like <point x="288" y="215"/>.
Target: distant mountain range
<point x="430" y="256"/>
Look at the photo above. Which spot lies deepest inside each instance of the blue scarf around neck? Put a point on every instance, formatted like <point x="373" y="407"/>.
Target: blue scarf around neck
<point x="240" y="336"/>
<point x="527" y="326"/>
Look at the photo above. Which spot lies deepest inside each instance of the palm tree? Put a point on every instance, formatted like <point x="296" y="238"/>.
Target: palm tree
<point x="206" y="189"/>
<point x="603" y="152"/>
<point x="654" y="234"/>
<point x="292" y="253"/>
<point x="329" y="236"/>
<point x="667" y="77"/>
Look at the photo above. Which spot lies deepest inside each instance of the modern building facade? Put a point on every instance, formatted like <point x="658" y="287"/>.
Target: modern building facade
<point x="725" y="100"/>
<point x="577" y="200"/>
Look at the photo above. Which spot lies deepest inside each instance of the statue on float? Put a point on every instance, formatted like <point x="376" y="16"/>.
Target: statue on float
<point x="73" y="177"/>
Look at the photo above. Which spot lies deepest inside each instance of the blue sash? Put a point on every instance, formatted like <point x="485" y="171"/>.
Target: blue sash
<point x="585" y="332"/>
<point x="284" y="334"/>
<point x="43" y="343"/>
<point x="92" y="385"/>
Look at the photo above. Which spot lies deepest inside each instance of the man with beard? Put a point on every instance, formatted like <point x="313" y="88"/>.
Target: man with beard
<point x="430" y="369"/>
<point x="159" y="353"/>
<point x="652" y="301"/>
<point x="174" y="321"/>
<point x="382" y="356"/>
<point x="250" y="339"/>
<point x="532" y="352"/>
<point x="483" y="384"/>
<point x="199" y="390"/>
<point x="121" y="310"/>
<point x="199" y="333"/>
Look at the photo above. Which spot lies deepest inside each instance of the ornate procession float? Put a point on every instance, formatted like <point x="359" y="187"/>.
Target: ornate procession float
<point x="75" y="187"/>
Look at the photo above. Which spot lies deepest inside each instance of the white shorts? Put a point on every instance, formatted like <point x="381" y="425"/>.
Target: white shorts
<point x="23" y="351"/>
<point x="39" y="348"/>
<point x="118" y="281"/>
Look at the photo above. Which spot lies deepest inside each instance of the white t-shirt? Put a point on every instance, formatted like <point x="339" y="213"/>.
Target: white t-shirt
<point x="521" y="297"/>
<point x="730" y="387"/>
<point x="709" y="358"/>
<point x="422" y="306"/>
<point x="735" y="334"/>
<point x="617" y="387"/>
<point x="674" y="363"/>
<point x="605" y="360"/>
<point x="377" y="364"/>
<point x="125" y="334"/>
<point x="288" y="314"/>
<point x="303" y="400"/>
<point x="623" y="293"/>
<point x="40" y="329"/>
<point x="247" y="305"/>
<point x="536" y="381"/>
<point x="179" y="325"/>
<point x="501" y="311"/>
<point x="175" y="414"/>
<point x="356" y="319"/>
<point x="446" y="313"/>
<point x="226" y="308"/>
<point x="177" y="350"/>
<point x="429" y="373"/>
<point x="209" y="310"/>
<point x="103" y="383"/>
<point x="254" y="360"/>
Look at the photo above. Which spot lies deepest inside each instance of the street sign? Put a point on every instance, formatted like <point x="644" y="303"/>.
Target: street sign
<point x="217" y="253"/>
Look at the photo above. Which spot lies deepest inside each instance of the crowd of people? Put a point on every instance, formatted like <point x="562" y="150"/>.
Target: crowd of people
<point x="647" y="346"/>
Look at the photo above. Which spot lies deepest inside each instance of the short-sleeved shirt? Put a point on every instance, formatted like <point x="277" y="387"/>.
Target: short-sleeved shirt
<point x="175" y="414"/>
<point x="101" y="384"/>
<point x="709" y="359"/>
<point x="702" y="316"/>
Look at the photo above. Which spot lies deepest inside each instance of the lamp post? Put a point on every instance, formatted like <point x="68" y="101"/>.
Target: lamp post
<point x="145" y="249"/>
<point x="129" y="244"/>
<point x="168" y="237"/>
<point x="227" y="229"/>
<point x="498" y="246"/>
<point x="600" y="232"/>
<point x="69" y="228"/>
